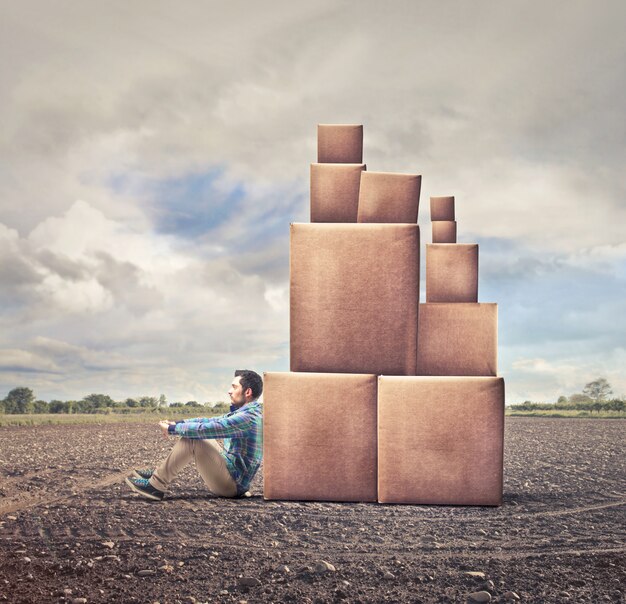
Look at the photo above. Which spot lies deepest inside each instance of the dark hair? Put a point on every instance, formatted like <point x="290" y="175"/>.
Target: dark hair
<point x="250" y="379"/>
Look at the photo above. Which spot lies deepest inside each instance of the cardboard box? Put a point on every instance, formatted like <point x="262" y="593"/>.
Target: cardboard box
<point x="389" y="197"/>
<point x="451" y="272"/>
<point x="442" y="208"/>
<point x="319" y="437"/>
<point x="444" y="231"/>
<point x="340" y="143"/>
<point x="457" y="339"/>
<point x="354" y="291"/>
<point x="440" y="440"/>
<point x="335" y="192"/>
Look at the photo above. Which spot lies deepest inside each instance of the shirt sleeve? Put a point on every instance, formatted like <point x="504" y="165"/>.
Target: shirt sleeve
<point x="226" y="426"/>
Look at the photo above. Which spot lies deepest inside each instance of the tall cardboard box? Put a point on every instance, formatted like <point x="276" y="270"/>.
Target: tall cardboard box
<point x="319" y="437"/>
<point x="335" y="192"/>
<point x="458" y="339"/>
<point x="354" y="291"/>
<point x="440" y="440"/>
<point x="451" y="272"/>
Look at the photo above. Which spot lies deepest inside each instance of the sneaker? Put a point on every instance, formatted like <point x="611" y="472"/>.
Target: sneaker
<point x="144" y="488"/>
<point x="144" y="473"/>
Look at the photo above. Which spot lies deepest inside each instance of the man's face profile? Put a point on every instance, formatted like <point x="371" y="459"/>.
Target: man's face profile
<point x="236" y="393"/>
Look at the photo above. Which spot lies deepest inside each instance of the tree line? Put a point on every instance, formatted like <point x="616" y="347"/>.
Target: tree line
<point x="595" y="396"/>
<point x="22" y="400"/>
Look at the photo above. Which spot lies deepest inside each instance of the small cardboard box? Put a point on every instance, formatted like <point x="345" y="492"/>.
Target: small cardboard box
<point x="451" y="272"/>
<point x="442" y="208"/>
<point x="389" y="197"/>
<point x="440" y="440"/>
<point x="335" y="192"/>
<point x="444" y="231"/>
<point x="340" y="143"/>
<point x="354" y="291"/>
<point x="457" y="339"/>
<point x="319" y="437"/>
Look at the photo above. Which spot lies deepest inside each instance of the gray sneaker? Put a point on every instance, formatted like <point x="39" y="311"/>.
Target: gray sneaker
<point x="143" y="487"/>
<point x="145" y="473"/>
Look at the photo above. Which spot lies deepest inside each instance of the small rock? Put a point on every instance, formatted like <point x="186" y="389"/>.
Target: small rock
<point x="249" y="582"/>
<point x="323" y="567"/>
<point x="108" y="544"/>
<point x="389" y="576"/>
<point x="283" y="568"/>
<point x="511" y="595"/>
<point x="67" y="591"/>
<point x="479" y="597"/>
<point x="224" y="592"/>
<point x="168" y="568"/>
<point x="181" y="563"/>
<point x="145" y="573"/>
<point x="26" y="559"/>
<point x="474" y="573"/>
<point x="565" y="594"/>
<point x="79" y="601"/>
<point x="11" y="517"/>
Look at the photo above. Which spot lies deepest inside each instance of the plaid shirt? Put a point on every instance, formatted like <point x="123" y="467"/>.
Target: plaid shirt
<point x="242" y="431"/>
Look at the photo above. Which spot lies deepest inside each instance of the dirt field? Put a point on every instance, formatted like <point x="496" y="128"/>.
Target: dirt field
<point x="71" y="531"/>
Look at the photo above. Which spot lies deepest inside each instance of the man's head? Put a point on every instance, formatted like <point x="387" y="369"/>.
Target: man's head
<point x="247" y="386"/>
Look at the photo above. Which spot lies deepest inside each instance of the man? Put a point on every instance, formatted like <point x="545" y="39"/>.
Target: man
<point x="227" y="471"/>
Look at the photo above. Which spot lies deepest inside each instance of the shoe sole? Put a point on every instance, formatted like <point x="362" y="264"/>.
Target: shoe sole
<point x="142" y="493"/>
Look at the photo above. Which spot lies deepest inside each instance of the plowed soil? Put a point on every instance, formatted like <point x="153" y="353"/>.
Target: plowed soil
<point x="72" y="531"/>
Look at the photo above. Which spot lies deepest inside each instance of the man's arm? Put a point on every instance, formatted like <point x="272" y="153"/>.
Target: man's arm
<point x="227" y="426"/>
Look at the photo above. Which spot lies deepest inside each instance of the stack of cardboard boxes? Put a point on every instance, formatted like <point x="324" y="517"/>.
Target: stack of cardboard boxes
<point x="387" y="399"/>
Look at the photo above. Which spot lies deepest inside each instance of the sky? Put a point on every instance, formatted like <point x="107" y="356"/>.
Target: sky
<point x="153" y="154"/>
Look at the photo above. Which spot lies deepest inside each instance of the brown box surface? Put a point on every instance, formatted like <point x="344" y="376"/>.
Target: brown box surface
<point x="319" y="437"/>
<point x="354" y="291"/>
<point x="440" y="440"/>
<point x="389" y="197"/>
<point x="335" y="192"/>
<point x="442" y="208"/>
<point x="340" y="143"/>
<point x="444" y="231"/>
<point x="451" y="272"/>
<point x="457" y="339"/>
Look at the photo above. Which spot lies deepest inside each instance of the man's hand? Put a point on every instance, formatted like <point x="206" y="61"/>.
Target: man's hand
<point x="164" y="426"/>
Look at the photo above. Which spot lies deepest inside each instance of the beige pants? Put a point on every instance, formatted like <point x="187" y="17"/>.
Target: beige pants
<point x="209" y="461"/>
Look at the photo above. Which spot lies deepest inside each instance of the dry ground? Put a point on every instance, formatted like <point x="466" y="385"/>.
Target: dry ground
<point x="71" y="531"/>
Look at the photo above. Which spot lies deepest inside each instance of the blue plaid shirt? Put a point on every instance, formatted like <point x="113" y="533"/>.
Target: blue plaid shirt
<point x="242" y="431"/>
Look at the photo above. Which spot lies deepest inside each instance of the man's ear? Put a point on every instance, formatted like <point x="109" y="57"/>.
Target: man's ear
<point x="248" y="392"/>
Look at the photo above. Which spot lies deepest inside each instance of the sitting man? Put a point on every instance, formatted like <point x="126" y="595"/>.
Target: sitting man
<point x="227" y="472"/>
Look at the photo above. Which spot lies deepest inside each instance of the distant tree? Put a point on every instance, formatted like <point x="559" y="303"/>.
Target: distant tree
<point x="57" y="407"/>
<point x="2" y="407"/>
<point x="162" y="401"/>
<point x="175" y="405"/>
<point x="192" y="404"/>
<point x="221" y="407"/>
<point x="19" y="400"/>
<point x="98" y="401"/>
<point x="40" y="407"/>
<point x="148" y="401"/>
<point x="131" y="402"/>
<point x="598" y="390"/>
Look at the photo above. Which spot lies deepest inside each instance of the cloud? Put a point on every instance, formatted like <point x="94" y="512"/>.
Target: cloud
<point x="153" y="156"/>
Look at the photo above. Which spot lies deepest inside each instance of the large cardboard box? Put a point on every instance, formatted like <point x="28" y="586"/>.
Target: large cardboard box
<point x="440" y="440"/>
<point x="442" y="208"/>
<point x="457" y="339"/>
<point x="354" y="291"/>
<point x="444" y="231"/>
<point x="335" y="192"/>
<point x="340" y="143"/>
<point x="451" y="272"/>
<point x="319" y="437"/>
<point x="389" y="197"/>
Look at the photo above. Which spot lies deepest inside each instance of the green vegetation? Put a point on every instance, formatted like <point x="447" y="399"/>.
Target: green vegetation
<point x="593" y="401"/>
<point x="20" y="408"/>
